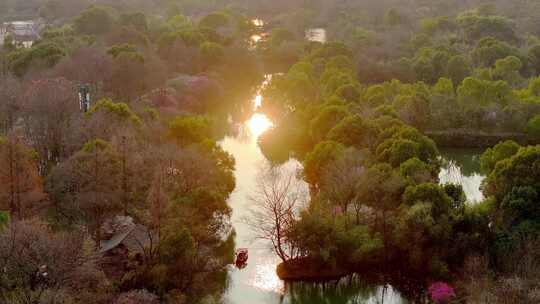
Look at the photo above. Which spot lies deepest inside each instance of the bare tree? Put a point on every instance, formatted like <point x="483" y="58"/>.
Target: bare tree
<point x="10" y="93"/>
<point x="48" y="111"/>
<point x="87" y="65"/>
<point x="38" y="265"/>
<point x="276" y="201"/>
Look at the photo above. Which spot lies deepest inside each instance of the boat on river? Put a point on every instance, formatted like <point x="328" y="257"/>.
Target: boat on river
<point x="241" y="257"/>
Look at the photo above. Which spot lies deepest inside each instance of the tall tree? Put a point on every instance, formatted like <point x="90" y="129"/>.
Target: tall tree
<point x="10" y="94"/>
<point x="87" y="187"/>
<point x="20" y="186"/>
<point x="48" y="113"/>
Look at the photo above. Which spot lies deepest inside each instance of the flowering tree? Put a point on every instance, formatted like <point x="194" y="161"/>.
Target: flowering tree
<point x="441" y="293"/>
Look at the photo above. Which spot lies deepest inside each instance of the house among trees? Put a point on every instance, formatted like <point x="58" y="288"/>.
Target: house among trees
<point x="124" y="242"/>
<point x="23" y="32"/>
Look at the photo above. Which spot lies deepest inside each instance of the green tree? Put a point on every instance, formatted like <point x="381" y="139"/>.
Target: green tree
<point x="489" y="50"/>
<point x="458" y="69"/>
<point x="211" y="52"/>
<point x="94" y="21"/>
<point x="533" y="126"/>
<point x="429" y="193"/>
<point x="416" y="171"/>
<point x="323" y="153"/>
<point x="381" y="188"/>
<point x="507" y="69"/>
<point x="393" y="17"/>
<point x="351" y="131"/>
<point x="534" y="59"/>
<point x="521" y="204"/>
<point x="475" y="92"/>
<point x="425" y="70"/>
<point x="138" y="20"/>
<point x="499" y="152"/>
<point x="404" y="143"/>
<point x="215" y="20"/>
<point x="326" y="120"/>
<point x="40" y="56"/>
<point x="477" y="27"/>
<point x="397" y="151"/>
<point x="520" y="170"/>
<point x="187" y="130"/>
<point x="87" y="187"/>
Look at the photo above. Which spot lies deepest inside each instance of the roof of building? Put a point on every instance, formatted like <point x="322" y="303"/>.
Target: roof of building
<point x="22" y="30"/>
<point x="123" y="230"/>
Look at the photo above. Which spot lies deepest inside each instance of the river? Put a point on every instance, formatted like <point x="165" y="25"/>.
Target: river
<point x="258" y="282"/>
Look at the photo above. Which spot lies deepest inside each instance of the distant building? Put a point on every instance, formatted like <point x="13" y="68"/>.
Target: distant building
<point x="124" y="245"/>
<point x="23" y="32"/>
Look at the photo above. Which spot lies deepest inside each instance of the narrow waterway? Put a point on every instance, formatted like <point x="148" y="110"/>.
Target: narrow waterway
<point x="258" y="282"/>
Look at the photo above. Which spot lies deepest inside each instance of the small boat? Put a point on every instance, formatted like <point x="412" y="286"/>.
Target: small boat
<point x="241" y="257"/>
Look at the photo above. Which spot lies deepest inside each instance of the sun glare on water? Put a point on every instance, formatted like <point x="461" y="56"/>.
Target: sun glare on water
<point x="257" y="102"/>
<point x="266" y="278"/>
<point x="258" y="124"/>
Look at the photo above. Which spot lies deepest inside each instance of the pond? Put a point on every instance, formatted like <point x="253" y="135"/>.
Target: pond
<point x="462" y="167"/>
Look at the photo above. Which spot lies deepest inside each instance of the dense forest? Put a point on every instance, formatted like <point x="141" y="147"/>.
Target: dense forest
<point x="127" y="201"/>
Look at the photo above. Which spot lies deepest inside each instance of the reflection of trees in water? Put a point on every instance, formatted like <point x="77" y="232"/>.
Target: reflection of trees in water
<point x="462" y="167"/>
<point x="467" y="161"/>
<point x="453" y="172"/>
<point x="354" y="290"/>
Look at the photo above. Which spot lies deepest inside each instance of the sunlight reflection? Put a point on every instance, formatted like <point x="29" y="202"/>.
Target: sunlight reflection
<point x="256" y="38"/>
<point x="258" y="124"/>
<point x="257" y="22"/>
<point x="257" y="102"/>
<point x="266" y="278"/>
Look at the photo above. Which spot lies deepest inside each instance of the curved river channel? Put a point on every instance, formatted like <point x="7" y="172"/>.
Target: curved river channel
<point x="258" y="282"/>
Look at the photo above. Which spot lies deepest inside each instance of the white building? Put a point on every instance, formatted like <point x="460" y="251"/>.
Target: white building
<point x="23" y="32"/>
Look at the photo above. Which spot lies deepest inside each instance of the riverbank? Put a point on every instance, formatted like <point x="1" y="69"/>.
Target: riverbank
<point x="410" y="285"/>
<point x="306" y="269"/>
<point x="462" y="138"/>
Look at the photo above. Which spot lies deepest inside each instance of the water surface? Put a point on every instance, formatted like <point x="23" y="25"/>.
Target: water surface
<point x="462" y="167"/>
<point x="258" y="283"/>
